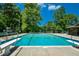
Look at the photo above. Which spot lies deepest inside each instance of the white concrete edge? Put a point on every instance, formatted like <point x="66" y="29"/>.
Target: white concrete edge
<point x="46" y="46"/>
<point x="73" y="42"/>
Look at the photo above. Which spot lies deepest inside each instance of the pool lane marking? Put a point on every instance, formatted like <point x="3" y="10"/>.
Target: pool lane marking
<point x="30" y="39"/>
<point x="73" y="42"/>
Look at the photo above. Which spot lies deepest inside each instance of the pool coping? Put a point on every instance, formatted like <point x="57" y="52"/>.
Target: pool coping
<point x="47" y="46"/>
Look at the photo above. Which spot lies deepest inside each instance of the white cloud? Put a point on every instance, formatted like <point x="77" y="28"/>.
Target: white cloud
<point x="54" y="7"/>
<point x="42" y="5"/>
<point x="58" y="6"/>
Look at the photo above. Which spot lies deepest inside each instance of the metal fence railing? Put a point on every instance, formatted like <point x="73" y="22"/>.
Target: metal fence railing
<point x="5" y="34"/>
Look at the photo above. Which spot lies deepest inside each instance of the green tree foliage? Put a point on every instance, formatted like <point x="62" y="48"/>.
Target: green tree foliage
<point x="59" y="13"/>
<point x="24" y="24"/>
<point x="2" y="18"/>
<point x="10" y="16"/>
<point x="32" y="14"/>
<point x="13" y="16"/>
<point x="71" y="19"/>
<point x="52" y="27"/>
<point x="49" y="27"/>
<point x="63" y="19"/>
<point x="2" y="24"/>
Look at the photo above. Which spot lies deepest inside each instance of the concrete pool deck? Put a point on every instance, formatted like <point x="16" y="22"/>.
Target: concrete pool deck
<point x="46" y="51"/>
<point x="9" y="37"/>
<point x="66" y="35"/>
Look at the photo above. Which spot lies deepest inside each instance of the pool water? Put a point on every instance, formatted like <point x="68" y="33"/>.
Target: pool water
<point x="42" y="40"/>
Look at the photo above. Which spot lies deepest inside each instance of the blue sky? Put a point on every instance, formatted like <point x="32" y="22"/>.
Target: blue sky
<point x="47" y="10"/>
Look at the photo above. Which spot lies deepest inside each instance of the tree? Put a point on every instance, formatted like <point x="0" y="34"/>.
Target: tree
<point x="71" y="19"/>
<point x="2" y="18"/>
<point x="2" y="24"/>
<point x="24" y="24"/>
<point x="68" y="20"/>
<point x="59" y="13"/>
<point x="50" y="27"/>
<point x="12" y="14"/>
<point x="59" y="21"/>
<point x="64" y="20"/>
<point x="32" y="13"/>
<point x="63" y="24"/>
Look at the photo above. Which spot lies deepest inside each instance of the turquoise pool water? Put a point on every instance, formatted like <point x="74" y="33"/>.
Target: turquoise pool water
<point x="42" y="40"/>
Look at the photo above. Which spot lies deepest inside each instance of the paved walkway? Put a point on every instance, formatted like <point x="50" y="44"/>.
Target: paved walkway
<point x="43" y="51"/>
<point x="67" y="36"/>
<point x="9" y="37"/>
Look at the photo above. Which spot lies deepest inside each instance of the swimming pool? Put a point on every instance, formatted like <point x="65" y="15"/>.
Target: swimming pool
<point x="42" y="40"/>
